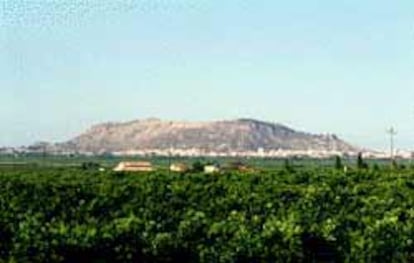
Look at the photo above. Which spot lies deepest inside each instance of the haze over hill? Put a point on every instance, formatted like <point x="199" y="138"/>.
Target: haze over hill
<point x="241" y="135"/>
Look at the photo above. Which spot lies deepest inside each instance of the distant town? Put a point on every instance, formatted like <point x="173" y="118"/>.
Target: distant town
<point x="260" y="153"/>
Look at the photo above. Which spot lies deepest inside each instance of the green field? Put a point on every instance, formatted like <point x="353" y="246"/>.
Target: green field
<point x="37" y="160"/>
<point x="51" y="210"/>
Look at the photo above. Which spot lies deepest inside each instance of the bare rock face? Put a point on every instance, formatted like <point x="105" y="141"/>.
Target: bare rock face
<point x="218" y="136"/>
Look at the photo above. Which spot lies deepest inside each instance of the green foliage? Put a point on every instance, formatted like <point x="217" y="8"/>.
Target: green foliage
<point x="197" y="167"/>
<point x="288" y="165"/>
<point x="338" y="163"/>
<point x="360" y="162"/>
<point x="90" y="166"/>
<point x="394" y="164"/>
<point x="308" y="215"/>
<point x="375" y="167"/>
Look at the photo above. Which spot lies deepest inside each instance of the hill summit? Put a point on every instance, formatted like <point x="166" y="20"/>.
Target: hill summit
<point x="228" y="136"/>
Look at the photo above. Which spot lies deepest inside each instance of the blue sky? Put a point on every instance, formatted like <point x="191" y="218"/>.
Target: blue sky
<point x="344" y="67"/>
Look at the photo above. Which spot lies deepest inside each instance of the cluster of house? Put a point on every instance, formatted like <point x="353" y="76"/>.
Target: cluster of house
<point x="145" y="166"/>
<point x="259" y="153"/>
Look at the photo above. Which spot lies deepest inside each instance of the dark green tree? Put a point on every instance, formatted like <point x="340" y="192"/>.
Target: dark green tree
<point x="360" y="162"/>
<point x="288" y="165"/>
<point x="90" y="166"/>
<point x="394" y="164"/>
<point x="338" y="163"/>
<point x="198" y="167"/>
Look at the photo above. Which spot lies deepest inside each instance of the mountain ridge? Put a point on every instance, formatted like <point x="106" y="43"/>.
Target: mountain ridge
<point x="222" y="136"/>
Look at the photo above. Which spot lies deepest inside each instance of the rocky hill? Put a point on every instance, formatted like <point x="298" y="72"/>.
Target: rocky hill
<point x="218" y="136"/>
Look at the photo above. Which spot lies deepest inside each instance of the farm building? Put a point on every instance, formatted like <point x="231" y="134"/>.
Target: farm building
<point x="179" y="167"/>
<point x="211" y="168"/>
<point x="134" y="167"/>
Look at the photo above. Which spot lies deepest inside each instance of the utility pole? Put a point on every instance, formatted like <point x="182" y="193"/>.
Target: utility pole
<point x="392" y="132"/>
<point x="170" y="144"/>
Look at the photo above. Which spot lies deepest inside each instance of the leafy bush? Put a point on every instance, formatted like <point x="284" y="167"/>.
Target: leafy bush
<point x="69" y="215"/>
<point x="90" y="166"/>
